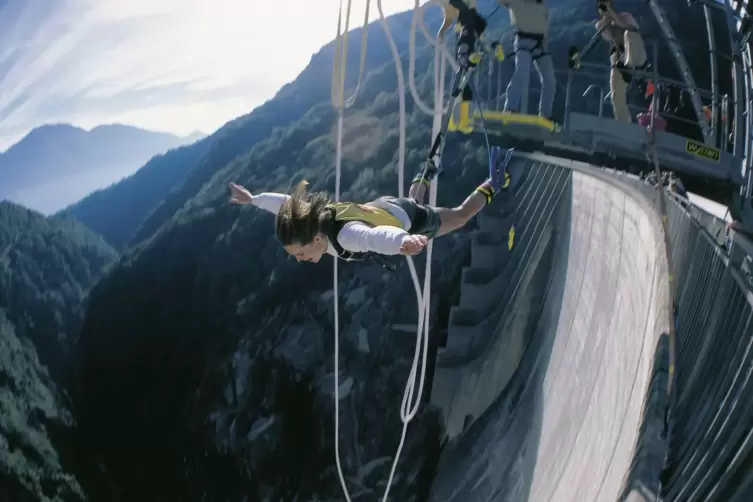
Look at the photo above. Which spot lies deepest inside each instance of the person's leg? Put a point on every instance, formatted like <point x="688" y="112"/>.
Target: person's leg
<point x="523" y="58"/>
<point x="545" y="68"/>
<point x="618" y="88"/>
<point x="619" y="96"/>
<point x="451" y="219"/>
<point x="418" y="188"/>
<point x="635" y="50"/>
<point x="465" y="47"/>
<point x="427" y="172"/>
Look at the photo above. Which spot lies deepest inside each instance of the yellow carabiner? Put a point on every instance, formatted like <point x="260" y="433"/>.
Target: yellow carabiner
<point x="499" y="52"/>
<point x="511" y="238"/>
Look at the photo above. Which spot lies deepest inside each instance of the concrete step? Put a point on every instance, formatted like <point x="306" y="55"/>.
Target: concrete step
<point x="463" y="316"/>
<point x="493" y="223"/>
<point x="462" y="342"/>
<point x="475" y="276"/>
<point x="490" y="255"/>
<point x="484" y="255"/>
<point x="459" y="340"/>
<point x="490" y="238"/>
<point x="474" y="286"/>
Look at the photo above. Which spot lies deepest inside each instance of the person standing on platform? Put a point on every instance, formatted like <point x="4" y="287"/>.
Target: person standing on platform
<point x="530" y="19"/>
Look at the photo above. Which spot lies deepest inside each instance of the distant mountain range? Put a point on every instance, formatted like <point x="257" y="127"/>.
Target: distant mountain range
<point x="57" y="164"/>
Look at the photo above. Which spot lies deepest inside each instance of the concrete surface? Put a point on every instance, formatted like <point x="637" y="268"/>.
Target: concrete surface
<point x="551" y="408"/>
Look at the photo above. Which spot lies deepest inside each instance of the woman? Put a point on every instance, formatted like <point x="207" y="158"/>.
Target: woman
<point x="310" y="224"/>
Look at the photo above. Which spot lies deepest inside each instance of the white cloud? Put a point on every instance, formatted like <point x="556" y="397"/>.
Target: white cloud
<point x="175" y="65"/>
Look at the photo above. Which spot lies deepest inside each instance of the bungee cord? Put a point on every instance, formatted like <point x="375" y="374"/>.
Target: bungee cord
<point x="337" y="93"/>
<point x="416" y="380"/>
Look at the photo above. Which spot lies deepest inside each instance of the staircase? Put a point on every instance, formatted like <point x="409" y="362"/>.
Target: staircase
<point x="500" y="268"/>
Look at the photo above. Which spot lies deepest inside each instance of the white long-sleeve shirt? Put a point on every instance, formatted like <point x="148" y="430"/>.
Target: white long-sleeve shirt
<point x="355" y="236"/>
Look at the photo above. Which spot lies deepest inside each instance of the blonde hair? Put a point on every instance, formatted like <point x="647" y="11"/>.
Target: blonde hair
<point x="301" y="216"/>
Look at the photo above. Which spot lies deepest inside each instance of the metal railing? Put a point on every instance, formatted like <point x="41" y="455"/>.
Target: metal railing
<point x="710" y="415"/>
<point x="491" y="79"/>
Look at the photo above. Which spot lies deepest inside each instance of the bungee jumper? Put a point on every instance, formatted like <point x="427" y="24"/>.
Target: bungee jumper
<point x="308" y="225"/>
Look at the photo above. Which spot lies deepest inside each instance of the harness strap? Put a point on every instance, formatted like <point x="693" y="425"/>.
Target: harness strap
<point x="538" y="38"/>
<point x="333" y="227"/>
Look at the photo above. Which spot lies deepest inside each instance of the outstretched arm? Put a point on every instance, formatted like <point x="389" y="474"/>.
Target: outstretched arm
<point x="383" y="239"/>
<point x="268" y="201"/>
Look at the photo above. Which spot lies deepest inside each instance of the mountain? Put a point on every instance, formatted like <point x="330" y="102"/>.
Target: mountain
<point x="57" y="164"/>
<point x="123" y="215"/>
<point x="116" y="212"/>
<point x="47" y="267"/>
<point x="203" y="368"/>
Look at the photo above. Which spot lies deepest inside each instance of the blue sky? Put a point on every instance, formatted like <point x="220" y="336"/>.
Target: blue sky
<point x="170" y="65"/>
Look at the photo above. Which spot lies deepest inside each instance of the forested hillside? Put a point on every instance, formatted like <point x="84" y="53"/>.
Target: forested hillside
<point x="205" y="362"/>
<point x="33" y="415"/>
<point x="46" y="269"/>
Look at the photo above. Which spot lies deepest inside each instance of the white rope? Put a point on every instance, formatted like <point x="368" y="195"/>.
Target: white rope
<point x="412" y="395"/>
<point x="418" y="19"/>
<point x="337" y="93"/>
<point x="337" y="89"/>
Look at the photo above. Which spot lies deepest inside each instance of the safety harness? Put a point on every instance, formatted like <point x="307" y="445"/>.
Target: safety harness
<point x="536" y="37"/>
<point x="342" y="213"/>
<point x="618" y="48"/>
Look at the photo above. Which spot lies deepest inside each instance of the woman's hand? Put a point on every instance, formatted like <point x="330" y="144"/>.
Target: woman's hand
<point x="240" y="195"/>
<point x="413" y="244"/>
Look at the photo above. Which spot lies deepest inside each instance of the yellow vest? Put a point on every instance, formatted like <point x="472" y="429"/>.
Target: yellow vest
<point x="345" y="212"/>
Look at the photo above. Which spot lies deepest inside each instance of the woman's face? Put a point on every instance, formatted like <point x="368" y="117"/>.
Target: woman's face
<point x="312" y="251"/>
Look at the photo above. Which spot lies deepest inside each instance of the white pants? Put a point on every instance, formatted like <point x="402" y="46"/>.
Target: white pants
<point x="634" y="57"/>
